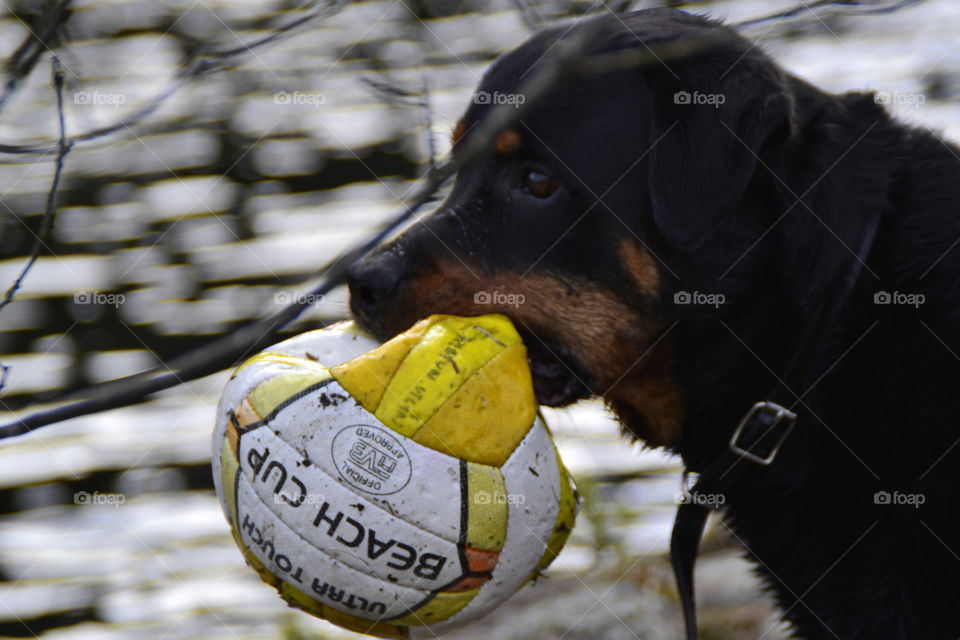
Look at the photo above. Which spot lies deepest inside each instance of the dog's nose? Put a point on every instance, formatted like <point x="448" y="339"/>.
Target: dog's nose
<point x="372" y="283"/>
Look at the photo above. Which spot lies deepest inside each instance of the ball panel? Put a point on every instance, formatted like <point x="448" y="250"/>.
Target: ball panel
<point x="240" y="419"/>
<point x="254" y="563"/>
<point x="437" y="609"/>
<point x="366" y="376"/>
<point x="336" y="520"/>
<point x="486" y="508"/>
<point x="227" y="475"/>
<point x="267" y="396"/>
<point x="234" y="412"/>
<point x="451" y="351"/>
<point x="362" y="625"/>
<point x="566" y="516"/>
<point x="284" y="361"/>
<point x="301" y="600"/>
<point x="531" y="486"/>
<point x="287" y="557"/>
<point x="330" y="346"/>
<point x="499" y="414"/>
<point x="480" y="562"/>
<point x="313" y="424"/>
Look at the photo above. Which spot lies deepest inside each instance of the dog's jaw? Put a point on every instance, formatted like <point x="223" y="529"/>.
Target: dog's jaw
<point x="648" y="401"/>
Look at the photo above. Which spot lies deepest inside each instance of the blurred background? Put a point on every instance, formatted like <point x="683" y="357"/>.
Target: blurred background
<point x="213" y="207"/>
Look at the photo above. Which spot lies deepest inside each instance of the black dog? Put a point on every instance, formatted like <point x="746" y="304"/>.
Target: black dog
<point x="669" y="235"/>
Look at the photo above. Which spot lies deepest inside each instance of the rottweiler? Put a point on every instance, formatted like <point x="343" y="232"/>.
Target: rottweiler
<point x="680" y="236"/>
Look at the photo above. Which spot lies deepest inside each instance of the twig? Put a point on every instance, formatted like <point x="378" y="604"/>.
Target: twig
<point x="531" y="17"/>
<point x="202" y="64"/>
<point x="840" y="7"/>
<point x="622" y="6"/>
<point x="392" y="94"/>
<point x="49" y="214"/>
<point x="228" y="349"/>
<point x="34" y="45"/>
<point x="327" y="10"/>
<point x="428" y="121"/>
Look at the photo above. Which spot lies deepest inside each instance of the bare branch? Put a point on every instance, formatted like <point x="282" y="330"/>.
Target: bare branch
<point x="428" y="121"/>
<point x="37" y="42"/>
<point x="392" y="94"/>
<point x="325" y="11"/>
<point x="839" y="7"/>
<point x="63" y="148"/>
<point x="202" y="64"/>
<point x="531" y="17"/>
<point x="230" y="348"/>
<point x="620" y="6"/>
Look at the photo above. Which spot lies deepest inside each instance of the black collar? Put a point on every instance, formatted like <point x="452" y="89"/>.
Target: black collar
<point x="756" y="441"/>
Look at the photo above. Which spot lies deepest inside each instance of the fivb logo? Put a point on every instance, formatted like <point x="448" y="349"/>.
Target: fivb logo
<point x="369" y="458"/>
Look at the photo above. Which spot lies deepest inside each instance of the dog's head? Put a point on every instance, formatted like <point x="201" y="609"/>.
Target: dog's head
<point x="615" y="195"/>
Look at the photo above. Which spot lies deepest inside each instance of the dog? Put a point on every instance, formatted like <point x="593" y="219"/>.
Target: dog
<point x="663" y="233"/>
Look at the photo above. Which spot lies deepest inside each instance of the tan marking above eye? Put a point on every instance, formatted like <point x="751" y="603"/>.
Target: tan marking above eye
<point x="458" y="130"/>
<point x="641" y="265"/>
<point x="509" y="142"/>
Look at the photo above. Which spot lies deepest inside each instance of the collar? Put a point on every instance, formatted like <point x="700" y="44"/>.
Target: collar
<point x="757" y="440"/>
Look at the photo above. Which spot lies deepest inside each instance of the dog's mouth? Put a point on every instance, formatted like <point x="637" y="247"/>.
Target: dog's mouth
<point x="558" y="378"/>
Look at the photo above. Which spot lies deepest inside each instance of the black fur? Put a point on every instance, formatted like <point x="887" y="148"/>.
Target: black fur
<point x="761" y="200"/>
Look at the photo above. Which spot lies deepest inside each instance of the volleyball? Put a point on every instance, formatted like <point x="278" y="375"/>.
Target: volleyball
<point x="398" y="489"/>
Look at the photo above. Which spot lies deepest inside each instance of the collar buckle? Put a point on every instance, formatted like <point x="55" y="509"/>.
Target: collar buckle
<point x="762" y="432"/>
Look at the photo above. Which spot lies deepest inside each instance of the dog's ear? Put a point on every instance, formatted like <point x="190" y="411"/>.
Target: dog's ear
<point x="710" y="122"/>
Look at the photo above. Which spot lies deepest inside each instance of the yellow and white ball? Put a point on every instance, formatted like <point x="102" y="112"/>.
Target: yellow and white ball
<point x="398" y="490"/>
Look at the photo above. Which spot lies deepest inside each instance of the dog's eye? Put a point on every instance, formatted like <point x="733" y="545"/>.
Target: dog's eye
<point x="539" y="184"/>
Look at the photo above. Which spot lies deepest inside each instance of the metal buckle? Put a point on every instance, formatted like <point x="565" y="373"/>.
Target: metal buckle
<point x="783" y="418"/>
